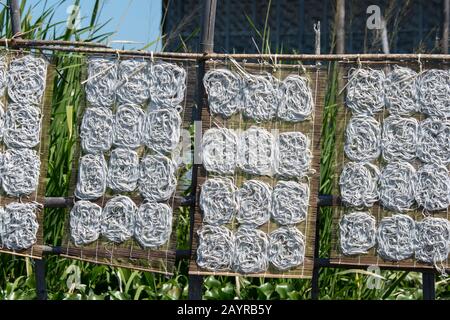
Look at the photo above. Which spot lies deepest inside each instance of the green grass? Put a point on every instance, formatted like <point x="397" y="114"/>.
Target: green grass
<point x="67" y="279"/>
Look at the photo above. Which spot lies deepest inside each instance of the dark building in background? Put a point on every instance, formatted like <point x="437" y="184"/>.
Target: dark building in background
<point x="412" y="26"/>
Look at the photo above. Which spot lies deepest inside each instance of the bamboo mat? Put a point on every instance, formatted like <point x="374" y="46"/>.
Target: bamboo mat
<point x="130" y="254"/>
<point x="343" y="117"/>
<point x="311" y="128"/>
<point x="42" y="149"/>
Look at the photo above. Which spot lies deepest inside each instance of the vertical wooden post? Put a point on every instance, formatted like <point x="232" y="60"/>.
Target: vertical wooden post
<point x="428" y="285"/>
<point x="14" y="11"/>
<point x="206" y="46"/>
<point x="317" y="32"/>
<point x="384" y="37"/>
<point x="445" y="26"/>
<point x="41" y="287"/>
<point x="340" y="26"/>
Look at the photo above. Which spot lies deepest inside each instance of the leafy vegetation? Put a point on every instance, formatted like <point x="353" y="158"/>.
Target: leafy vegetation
<point x="68" y="279"/>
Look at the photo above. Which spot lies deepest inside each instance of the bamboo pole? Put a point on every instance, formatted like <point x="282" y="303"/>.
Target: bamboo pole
<point x="243" y="56"/>
<point x="14" y="10"/>
<point x="445" y="26"/>
<point x="340" y="26"/>
<point x="32" y="43"/>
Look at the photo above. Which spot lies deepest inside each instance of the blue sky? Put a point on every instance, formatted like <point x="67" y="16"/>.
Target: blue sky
<point x="132" y="20"/>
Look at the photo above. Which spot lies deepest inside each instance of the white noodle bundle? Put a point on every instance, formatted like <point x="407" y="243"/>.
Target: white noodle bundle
<point x="357" y="233"/>
<point x="101" y="82"/>
<point x="292" y="155"/>
<point x="118" y="219"/>
<point x="20" y="172"/>
<point x="26" y="80"/>
<point x="251" y="250"/>
<point x="219" y="148"/>
<point x="286" y="248"/>
<point x="218" y="201"/>
<point x="157" y="180"/>
<point x="18" y="226"/>
<point x="255" y="152"/>
<point x="153" y="224"/>
<point x="261" y="97"/>
<point x="22" y="126"/>
<point x="290" y="201"/>
<point x="128" y="126"/>
<point x="365" y="91"/>
<point x="97" y="130"/>
<point x="162" y="130"/>
<point x="362" y="138"/>
<point x="123" y="171"/>
<point x="255" y="201"/>
<point x="359" y="184"/>
<point x="85" y="219"/>
<point x="296" y="100"/>
<point x="216" y="247"/>
<point x="92" y="175"/>
<point x="224" y="89"/>
<point x="399" y="141"/>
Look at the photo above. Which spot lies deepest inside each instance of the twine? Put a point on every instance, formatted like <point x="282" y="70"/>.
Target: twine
<point x="255" y="201"/>
<point x="396" y="186"/>
<point x="357" y="233"/>
<point x="296" y="100"/>
<point x="290" y="202"/>
<point x="261" y="97"/>
<point x="92" y="174"/>
<point x="362" y="138"/>
<point x="18" y="226"/>
<point x="118" y="219"/>
<point x="365" y="91"/>
<point x="251" y="250"/>
<point x="162" y="130"/>
<point x="133" y="82"/>
<point x="123" y="171"/>
<point x="434" y="141"/>
<point x="153" y="224"/>
<point x="85" y="219"/>
<point x="97" y="130"/>
<point x="292" y="155"/>
<point x="399" y="140"/>
<point x="255" y="151"/>
<point x="224" y="89"/>
<point x="101" y="83"/>
<point x="395" y="237"/>
<point x="432" y="189"/>
<point x="401" y="91"/>
<point x="157" y="180"/>
<point x="167" y="84"/>
<point x="216" y="248"/>
<point x="286" y="248"/>
<point x="358" y="183"/>
<point x="128" y="126"/>
<point x="26" y="80"/>
<point x="219" y="149"/>
<point x="218" y="201"/>
<point x="20" y="172"/>
<point x="22" y="126"/>
<point x="434" y="92"/>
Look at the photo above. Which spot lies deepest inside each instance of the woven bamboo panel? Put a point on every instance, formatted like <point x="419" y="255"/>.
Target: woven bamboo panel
<point x="42" y="149"/>
<point x="311" y="128"/>
<point x="130" y="254"/>
<point x="343" y="117"/>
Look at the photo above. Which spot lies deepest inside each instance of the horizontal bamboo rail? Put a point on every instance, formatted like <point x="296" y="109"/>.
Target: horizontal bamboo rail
<point x="95" y="48"/>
